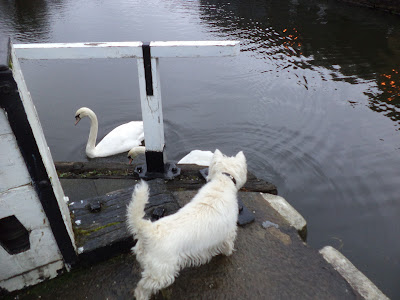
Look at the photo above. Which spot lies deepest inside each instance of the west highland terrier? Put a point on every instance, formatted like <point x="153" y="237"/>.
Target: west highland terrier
<point x="203" y="228"/>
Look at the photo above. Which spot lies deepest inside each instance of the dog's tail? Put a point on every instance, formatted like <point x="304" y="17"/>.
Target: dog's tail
<point x="135" y="212"/>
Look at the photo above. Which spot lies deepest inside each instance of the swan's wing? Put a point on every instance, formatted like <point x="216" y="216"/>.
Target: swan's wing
<point x="197" y="157"/>
<point x="121" y="139"/>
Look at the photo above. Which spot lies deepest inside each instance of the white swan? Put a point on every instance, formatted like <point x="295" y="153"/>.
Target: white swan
<point x="197" y="157"/>
<point x="120" y="139"/>
<point x="135" y="151"/>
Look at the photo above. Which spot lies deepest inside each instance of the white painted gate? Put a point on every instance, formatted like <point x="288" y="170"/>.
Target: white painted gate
<point x="32" y="201"/>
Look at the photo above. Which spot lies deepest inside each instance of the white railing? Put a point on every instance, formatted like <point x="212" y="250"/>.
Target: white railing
<point x="148" y="69"/>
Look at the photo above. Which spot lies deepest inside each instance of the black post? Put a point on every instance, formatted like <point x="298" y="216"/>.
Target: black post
<point x="10" y="101"/>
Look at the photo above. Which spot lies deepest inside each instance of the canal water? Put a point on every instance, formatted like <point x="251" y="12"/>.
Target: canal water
<point x="313" y="100"/>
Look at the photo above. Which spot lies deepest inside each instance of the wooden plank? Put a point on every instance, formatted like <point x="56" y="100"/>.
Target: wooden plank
<point x="195" y="48"/>
<point x="99" y="222"/>
<point x="13" y="171"/>
<point x="126" y="49"/>
<point x="40" y="140"/>
<point x="189" y="179"/>
<point x="153" y="123"/>
<point x="33" y="277"/>
<point x="43" y="248"/>
<point x="79" y="50"/>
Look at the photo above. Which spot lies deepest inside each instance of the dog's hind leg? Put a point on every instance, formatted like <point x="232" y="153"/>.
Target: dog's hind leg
<point x="227" y="246"/>
<point x="152" y="283"/>
<point x="142" y="293"/>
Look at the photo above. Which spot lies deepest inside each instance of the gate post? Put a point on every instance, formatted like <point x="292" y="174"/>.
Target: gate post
<point x="153" y="123"/>
<point x="36" y="239"/>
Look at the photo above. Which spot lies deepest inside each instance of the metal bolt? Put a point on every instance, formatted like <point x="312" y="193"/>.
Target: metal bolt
<point x="94" y="207"/>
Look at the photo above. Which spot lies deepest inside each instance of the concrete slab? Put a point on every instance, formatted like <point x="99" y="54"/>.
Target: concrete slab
<point x="269" y="263"/>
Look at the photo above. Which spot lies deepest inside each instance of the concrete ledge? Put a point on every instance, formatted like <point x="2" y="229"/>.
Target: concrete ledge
<point x="287" y="211"/>
<point x="358" y="281"/>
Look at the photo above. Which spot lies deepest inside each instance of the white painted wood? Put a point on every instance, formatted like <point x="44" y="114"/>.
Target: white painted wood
<point x="126" y="49"/>
<point x="44" y="150"/>
<point x="13" y="172"/>
<point x="32" y="277"/>
<point x="79" y="50"/>
<point x="151" y="105"/>
<point x="194" y="48"/>
<point x="4" y="125"/>
<point x="153" y="123"/>
<point x="24" y="203"/>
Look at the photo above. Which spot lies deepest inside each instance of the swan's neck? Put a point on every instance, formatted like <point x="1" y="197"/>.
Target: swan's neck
<point x="94" y="126"/>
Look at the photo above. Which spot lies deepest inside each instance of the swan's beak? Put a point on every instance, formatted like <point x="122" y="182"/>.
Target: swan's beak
<point x="77" y="119"/>
<point x="130" y="160"/>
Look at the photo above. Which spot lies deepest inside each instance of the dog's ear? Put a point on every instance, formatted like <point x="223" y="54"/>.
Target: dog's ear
<point x="241" y="156"/>
<point x="215" y="158"/>
<point x="217" y="153"/>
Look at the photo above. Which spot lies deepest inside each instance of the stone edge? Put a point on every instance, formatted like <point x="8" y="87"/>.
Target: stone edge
<point x="358" y="281"/>
<point x="288" y="212"/>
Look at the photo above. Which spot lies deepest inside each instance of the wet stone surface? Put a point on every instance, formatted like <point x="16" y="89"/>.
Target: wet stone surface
<point x="269" y="263"/>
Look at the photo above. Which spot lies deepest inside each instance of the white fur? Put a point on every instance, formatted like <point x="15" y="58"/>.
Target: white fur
<point x="203" y="228"/>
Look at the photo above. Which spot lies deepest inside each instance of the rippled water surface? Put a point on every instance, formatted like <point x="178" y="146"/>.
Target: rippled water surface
<point x="313" y="99"/>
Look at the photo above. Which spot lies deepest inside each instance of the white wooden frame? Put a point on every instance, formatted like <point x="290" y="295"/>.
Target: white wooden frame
<point x="151" y="105"/>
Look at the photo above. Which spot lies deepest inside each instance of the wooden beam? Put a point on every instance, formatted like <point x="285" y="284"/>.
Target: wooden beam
<point x="79" y="50"/>
<point x="126" y="49"/>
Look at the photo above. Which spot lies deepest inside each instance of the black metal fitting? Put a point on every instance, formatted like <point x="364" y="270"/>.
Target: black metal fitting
<point x="157" y="213"/>
<point x="170" y="172"/>
<point x="94" y="207"/>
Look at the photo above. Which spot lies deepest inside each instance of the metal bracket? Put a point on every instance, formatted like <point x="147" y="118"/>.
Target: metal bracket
<point x="147" y="68"/>
<point x="170" y="172"/>
<point x="245" y="216"/>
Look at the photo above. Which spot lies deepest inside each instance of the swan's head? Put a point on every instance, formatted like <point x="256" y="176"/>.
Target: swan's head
<point x="81" y="113"/>
<point x="135" y="151"/>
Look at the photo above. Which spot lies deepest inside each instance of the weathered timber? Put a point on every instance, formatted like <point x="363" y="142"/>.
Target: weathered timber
<point x="100" y="222"/>
<point x="189" y="179"/>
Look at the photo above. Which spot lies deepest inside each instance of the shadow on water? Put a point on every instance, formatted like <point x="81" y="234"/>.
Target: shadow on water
<point x="353" y="44"/>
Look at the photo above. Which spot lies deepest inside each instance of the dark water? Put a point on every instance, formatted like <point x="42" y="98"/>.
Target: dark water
<point x="313" y="99"/>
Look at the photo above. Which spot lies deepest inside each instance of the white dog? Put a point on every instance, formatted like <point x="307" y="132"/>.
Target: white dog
<point x="203" y="228"/>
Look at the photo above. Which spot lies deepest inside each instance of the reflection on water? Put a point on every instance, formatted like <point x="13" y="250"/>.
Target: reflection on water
<point x="312" y="99"/>
<point x="387" y="99"/>
<point x="25" y="19"/>
<point x="353" y="45"/>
